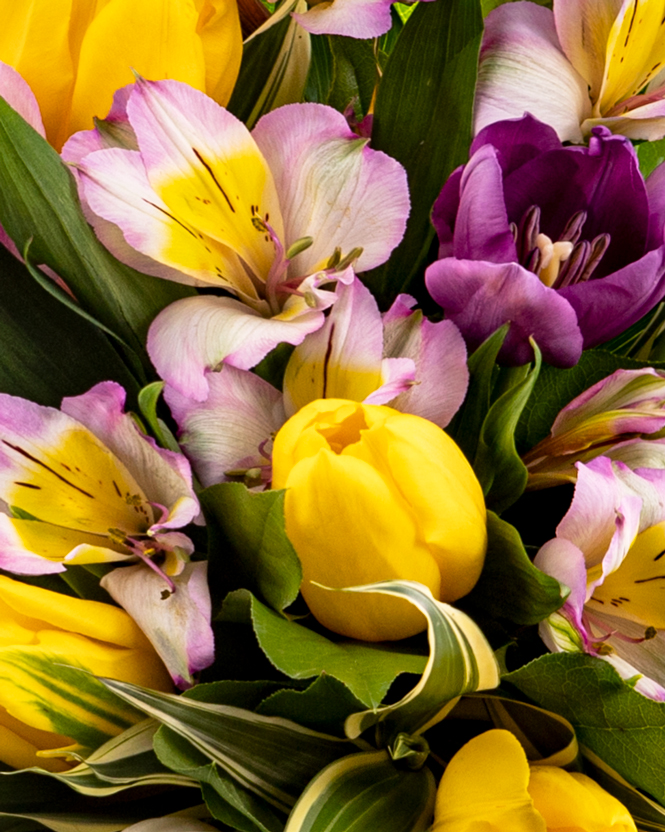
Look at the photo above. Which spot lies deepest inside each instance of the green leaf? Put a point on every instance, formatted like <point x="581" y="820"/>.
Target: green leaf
<point x="460" y="661"/>
<point x="367" y="670"/>
<point x="620" y="725"/>
<point x="47" y="350"/>
<point x="510" y="587"/>
<point x="272" y="757"/>
<point x="38" y="200"/>
<point x="148" y="400"/>
<point x="498" y="466"/>
<point x="320" y="75"/>
<point x="256" y="551"/>
<point x="430" y="72"/>
<point x="650" y="155"/>
<point x="354" y="74"/>
<point x="365" y="792"/>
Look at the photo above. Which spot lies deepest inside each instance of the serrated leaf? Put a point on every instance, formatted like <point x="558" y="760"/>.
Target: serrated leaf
<point x="272" y="757"/>
<point x="510" y="587"/>
<point x="367" y="670"/>
<point x="363" y="793"/>
<point x="624" y="728"/>
<point x="430" y="72"/>
<point x="252" y="541"/>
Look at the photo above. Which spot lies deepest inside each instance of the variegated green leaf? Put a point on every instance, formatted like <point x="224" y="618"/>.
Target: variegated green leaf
<point x="272" y="757"/>
<point x="460" y="661"/>
<point x="365" y="792"/>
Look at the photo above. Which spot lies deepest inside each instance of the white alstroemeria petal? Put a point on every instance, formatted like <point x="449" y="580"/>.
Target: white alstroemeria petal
<point x="332" y="187"/>
<point x="195" y="335"/>
<point x="523" y="70"/>
<point x="177" y="624"/>
<point x="229" y="430"/>
<point x="17" y="93"/>
<point x="645" y="122"/>
<point x="351" y="18"/>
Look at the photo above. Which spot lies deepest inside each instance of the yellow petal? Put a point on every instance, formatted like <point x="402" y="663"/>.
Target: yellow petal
<point x="484" y="788"/>
<point x="219" y="30"/>
<point x="572" y="802"/>
<point x="54" y="542"/>
<point x="19" y="745"/>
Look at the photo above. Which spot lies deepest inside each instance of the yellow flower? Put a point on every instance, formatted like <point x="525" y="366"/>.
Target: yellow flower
<point x="46" y="703"/>
<point x="74" y="54"/>
<point x="374" y="494"/>
<point x="489" y="786"/>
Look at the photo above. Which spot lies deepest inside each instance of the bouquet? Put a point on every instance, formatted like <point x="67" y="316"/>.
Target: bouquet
<point x="332" y="416"/>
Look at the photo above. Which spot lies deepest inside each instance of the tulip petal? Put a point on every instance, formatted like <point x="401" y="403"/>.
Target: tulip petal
<point x="221" y="39"/>
<point x="227" y="431"/>
<point x="523" y="70"/>
<point x="194" y="335"/>
<point x="352" y="18"/>
<point x="20" y="745"/>
<point x="163" y="474"/>
<point x="178" y="625"/>
<point x="479" y="297"/>
<point x="332" y="187"/>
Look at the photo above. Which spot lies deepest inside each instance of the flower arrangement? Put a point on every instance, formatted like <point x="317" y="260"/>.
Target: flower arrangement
<point x="332" y="422"/>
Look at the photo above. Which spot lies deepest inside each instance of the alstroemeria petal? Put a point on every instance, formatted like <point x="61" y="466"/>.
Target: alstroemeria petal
<point x="439" y="353"/>
<point x="227" y="431"/>
<point x="18" y="95"/>
<point x="397" y="376"/>
<point x="164" y="475"/>
<point x="178" y="626"/>
<point x="523" y="70"/>
<point x="479" y="297"/>
<point x="645" y="121"/>
<point x="16" y="558"/>
<point x="194" y="335"/>
<point x="352" y="18"/>
<point x="332" y="187"/>
<point x="203" y="163"/>
<point x="55" y="469"/>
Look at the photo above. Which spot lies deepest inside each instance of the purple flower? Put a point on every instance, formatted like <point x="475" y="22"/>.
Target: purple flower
<point x="566" y="243"/>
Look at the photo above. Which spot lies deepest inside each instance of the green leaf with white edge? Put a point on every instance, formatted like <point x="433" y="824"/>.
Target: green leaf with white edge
<point x="367" y="670"/>
<point x="430" y="72"/>
<point x="650" y="155"/>
<point x="510" y="587"/>
<point x="624" y="728"/>
<point x="148" y="399"/>
<point x="38" y="200"/>
<point x="466" y="425"/>
<point x="365" y="792"/>
<point x="253" y="545"/>
<point x="460" y="661"/>
<point x="270" y="756"/>
<point x="498" y="466"/>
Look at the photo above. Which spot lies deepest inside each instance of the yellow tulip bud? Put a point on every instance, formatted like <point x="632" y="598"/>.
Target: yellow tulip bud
<point x="490" y="785"/>
<point x="46" y="704"/>
<point x="374" y="494"/>
<point x="74" y="54"/>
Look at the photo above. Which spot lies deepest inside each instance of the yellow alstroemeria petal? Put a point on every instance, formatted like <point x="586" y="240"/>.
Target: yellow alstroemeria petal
<point x="34" y="40"/>
<point x="484" y="788"/>
<point x="219" y="30"/>
<point x="20" y="744"/>
<point x="156" y="38"/>
<point x="636" y="590"/>
<point x="635" y="52"/>
<point x="55" y="542"/>
<point x="575" y="802"/>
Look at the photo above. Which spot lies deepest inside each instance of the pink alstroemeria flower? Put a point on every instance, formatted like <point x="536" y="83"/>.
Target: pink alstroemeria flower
<point x="400" y="359"/>
<point x="583" y="64"/>
<point x="83" y="485"/>
<point x="351" y="18"/>
<point x="608" y="550"/>
<point x="271" y="217"/>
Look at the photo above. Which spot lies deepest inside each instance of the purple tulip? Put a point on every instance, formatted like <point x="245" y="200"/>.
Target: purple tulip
<point x="566" y="243"/>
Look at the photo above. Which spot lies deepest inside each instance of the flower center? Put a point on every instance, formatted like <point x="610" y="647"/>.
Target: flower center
<point x="562" y="262"/>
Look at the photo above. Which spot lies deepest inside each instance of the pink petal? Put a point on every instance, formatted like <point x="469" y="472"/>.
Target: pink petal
<point x="352" y="18"/>
<point x="20" y="97"/>
<point x="14" y="557"/>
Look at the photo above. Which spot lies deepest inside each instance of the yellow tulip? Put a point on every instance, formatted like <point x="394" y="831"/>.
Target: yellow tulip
<point x="74" y="54"/>
<point x="46" y="703"/>
<point x="490" y="786"/>
<point x="374" y="494"/>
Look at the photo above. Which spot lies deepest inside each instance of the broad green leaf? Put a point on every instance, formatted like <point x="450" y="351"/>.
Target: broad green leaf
<point x="250" y="547"/>
<point x="624" y="728"/>
<point x="510" y="587"/>
<point x="320" y="75"/>
<point x="47" y="350"/>
<point x="497" y="464"/>
<point x="460" y="661"/>
<point x="272" y="757"/>
<point x="365" y="792"/>
<point x="355" y="74"/>
<point x="467" y="423"/>
<point x="650" y="155"/>
<point x="148" y="399"/>
<point x="423" y="118"/>
<point x="367" y="670"/>
<point x="38" y="200"/>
